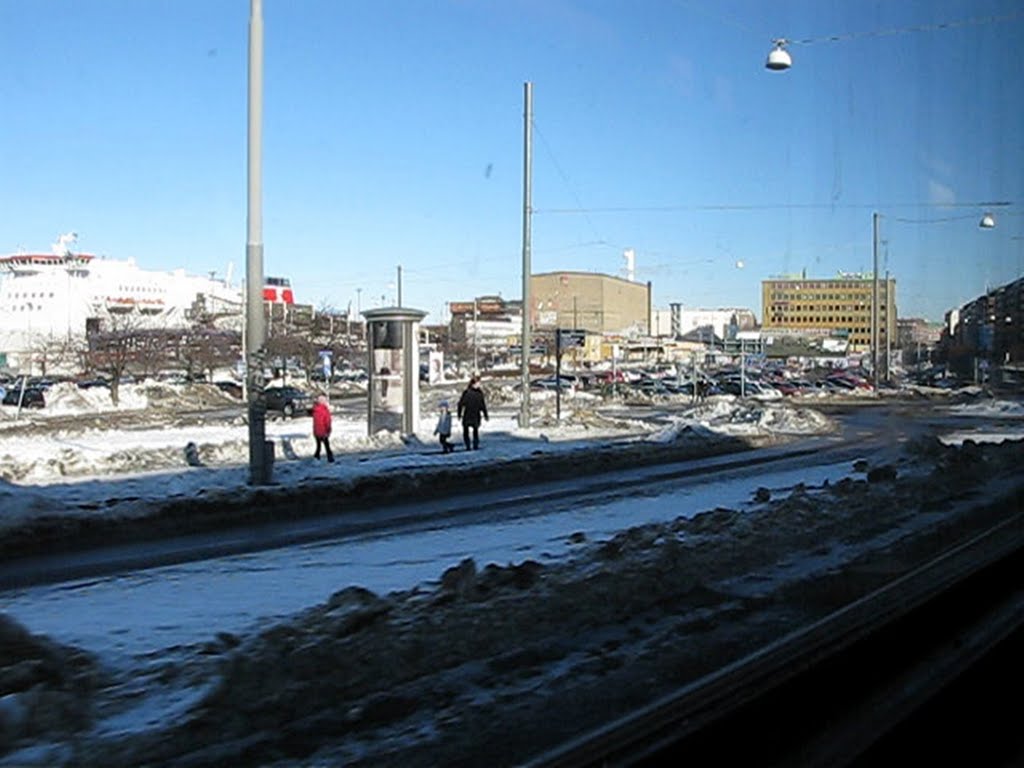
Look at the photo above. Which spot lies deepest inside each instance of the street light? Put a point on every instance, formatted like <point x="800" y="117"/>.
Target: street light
<point x="779" y="58"/>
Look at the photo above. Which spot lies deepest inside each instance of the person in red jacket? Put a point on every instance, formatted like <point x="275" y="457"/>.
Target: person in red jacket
<point x="322" y="427"/>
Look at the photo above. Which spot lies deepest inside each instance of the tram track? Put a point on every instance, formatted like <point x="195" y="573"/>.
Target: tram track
<point x="839" y="689"/>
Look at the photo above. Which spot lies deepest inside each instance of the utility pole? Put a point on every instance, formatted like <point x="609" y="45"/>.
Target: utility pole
<point x="874" y="301"/>
<point x="255" y="325"/>
<point x="743" y="371"/>
<point x="476" y="339"/>
<point x="527" y="343"/>
<point x="694" y="375"/>
<point x="558" y="375"/>
<point x="575" y="325"/>
<point x="888" y="335"/>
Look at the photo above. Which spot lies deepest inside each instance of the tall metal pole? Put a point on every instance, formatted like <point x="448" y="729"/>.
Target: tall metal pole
<point x="527" y="342"/>
<point x="874" y="301"/>
<point x="399" y="285"/>
<point x="743" y="370"/>
<point x="558" y="375"/>
<point x="255" y="324"/>
<point x="886" y="326"/>
<point x="575" y="325"/>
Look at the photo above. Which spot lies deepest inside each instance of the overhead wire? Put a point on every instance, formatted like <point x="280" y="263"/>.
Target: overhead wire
<point x="568" y="184"/>
<point x="770" y="207"/>
<point x="938" y="26"/>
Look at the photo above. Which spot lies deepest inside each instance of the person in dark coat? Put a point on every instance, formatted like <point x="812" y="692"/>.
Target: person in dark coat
<point x="322" y="427"/>
<point x="471" y="408"/>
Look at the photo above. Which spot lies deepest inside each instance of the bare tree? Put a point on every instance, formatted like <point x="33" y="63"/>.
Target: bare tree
<point x="212" y="340"/>
<point x="48" y="353"/>
<point x="152" y="350"/>
<point x="113" y="344"/>
<point x="205" y="349"/>
<point x="285" y="347"/>
<point x="334" y="331"/>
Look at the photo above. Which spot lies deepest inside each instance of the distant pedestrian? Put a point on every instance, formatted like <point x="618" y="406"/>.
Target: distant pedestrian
<point x="471" y="408"/>
<point x="444" y="427"/>
<point x="322" y="427"/>
<point x="702" y="390"/>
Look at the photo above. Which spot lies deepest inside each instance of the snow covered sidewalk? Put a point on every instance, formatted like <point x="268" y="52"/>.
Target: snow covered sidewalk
<point x="82" y="459"/>
<point x="67" y="463"/>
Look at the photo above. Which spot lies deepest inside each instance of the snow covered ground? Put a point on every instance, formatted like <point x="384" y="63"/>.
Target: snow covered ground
<point x="135" y="665"/>
<point x="82" y="455"/>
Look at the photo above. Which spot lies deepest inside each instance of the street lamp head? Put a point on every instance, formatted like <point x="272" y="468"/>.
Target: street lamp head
<point x="988" y="221"/>
<point x="779" y="58"/>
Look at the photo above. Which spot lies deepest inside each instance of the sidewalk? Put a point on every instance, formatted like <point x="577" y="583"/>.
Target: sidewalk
<point x="72" y="478"/>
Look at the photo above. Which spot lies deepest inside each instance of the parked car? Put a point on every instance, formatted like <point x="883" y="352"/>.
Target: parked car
<point x="33" y="397"/>
<point x="651" y="386"/>
<point x="41" y="382"/>
<point x="351" y="375"/>
<point x="551" y="383"/>
<point x="232" y="388"/>
<point x="834" y="385"/>
<point x="288" y="400"/>
<point x="787" y="387"/>
<point x="92" y="383"/>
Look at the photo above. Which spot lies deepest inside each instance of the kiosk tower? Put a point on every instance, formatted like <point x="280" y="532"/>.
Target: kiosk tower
<point x="393" y="392"/>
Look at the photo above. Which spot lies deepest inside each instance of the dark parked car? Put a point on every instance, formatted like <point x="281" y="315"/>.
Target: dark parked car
<point x="288" y="400"/>
<point x="33" y="397"/>
<point x="92" y="383"/>
<point x="651" y="386"/>
<point x="232" y="388"/>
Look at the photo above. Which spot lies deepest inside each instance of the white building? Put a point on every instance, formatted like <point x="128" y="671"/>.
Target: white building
<point x="678" y="321"/>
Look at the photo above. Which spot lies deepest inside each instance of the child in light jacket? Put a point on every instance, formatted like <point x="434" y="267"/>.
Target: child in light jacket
<point x="444" y="427"/>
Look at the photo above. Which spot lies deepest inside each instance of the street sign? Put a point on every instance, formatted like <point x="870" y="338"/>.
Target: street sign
<point x="569" y="339"/>
<point x="325" y="362"/>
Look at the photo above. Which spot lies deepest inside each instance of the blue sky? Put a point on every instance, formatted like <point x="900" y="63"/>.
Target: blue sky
<point x="393" y="135"/>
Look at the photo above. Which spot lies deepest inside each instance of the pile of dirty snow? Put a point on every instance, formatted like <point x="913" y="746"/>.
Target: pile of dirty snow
<point x="996" y="409"/>
<point x="732" y="416"/>
<point x="67" y="398"/>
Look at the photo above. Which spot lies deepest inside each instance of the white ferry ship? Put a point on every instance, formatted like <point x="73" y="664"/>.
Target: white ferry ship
<point x="61" y="295"/>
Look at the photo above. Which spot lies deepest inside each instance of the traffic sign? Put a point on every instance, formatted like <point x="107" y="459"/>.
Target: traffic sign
<point x="567" y="339"/>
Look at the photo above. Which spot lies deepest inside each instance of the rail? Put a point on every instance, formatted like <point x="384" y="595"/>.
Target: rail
<point x="828" y="693"/>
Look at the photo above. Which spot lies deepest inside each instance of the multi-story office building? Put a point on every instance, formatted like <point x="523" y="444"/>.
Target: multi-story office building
<point x="839" y="306"/>
<point x="991" y="326"/>
<point x="596" y="303"/>
<point x="599" y="305"/>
